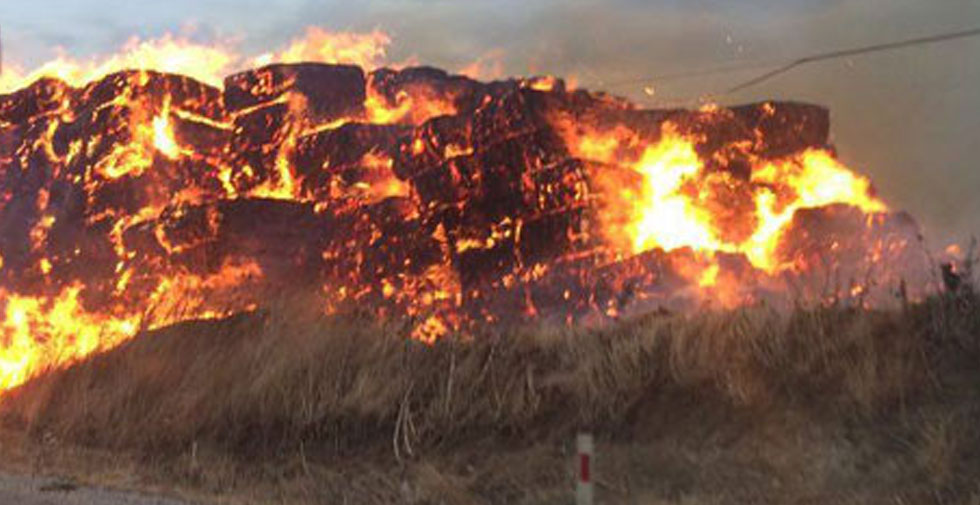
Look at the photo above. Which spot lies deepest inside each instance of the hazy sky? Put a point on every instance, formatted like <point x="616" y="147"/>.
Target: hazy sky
<point x="910" y="119"/>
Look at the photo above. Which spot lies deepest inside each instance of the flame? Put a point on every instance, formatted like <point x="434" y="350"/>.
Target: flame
<point x="667" y="199"/>
<point x="381" y="181"/>
<point x="205" y="62"/>
<point x="163" y="135"/>
<point x="709" y="277"/>
<point x="814" y="179"/>
<point x="147" y="137"/>
<point x="38" y="333"/>
<point x="640" y="194"/>
<point x="366" y="50"/>
<point x="183" y="296"/>
<point x="39" y="233"/>
<point x="665" y="217"/>
<point x="430" y="331"/>
<point x="414" y="105"/>
<point x="490" y="65"/>
<point x="69" y="333"/>
<point x="546" y="83"/>
<point x="285" y="185"/>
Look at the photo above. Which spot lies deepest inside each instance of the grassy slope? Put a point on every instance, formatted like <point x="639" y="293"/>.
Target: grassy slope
<point x="817" y="406"/>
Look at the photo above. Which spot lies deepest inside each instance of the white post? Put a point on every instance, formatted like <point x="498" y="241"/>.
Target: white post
<point x="583" y="488"/>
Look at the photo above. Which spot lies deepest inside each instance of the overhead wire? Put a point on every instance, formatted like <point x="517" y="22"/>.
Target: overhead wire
<point x="889" y="46"/>
<point x="783" y="66"/>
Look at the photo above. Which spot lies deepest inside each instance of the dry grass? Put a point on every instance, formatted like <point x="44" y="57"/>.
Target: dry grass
<point x="822" y="405"/>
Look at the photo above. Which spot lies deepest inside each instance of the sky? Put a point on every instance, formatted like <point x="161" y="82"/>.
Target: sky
<point x="909" y="119"/>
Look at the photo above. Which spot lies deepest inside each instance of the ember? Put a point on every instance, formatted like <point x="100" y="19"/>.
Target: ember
<point x="134" y="199"/>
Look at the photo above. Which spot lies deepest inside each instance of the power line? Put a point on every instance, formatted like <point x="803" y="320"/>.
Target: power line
<point x="855" y="51"/>
<point x="784" y="66"/>
<point x="684" y="74"/>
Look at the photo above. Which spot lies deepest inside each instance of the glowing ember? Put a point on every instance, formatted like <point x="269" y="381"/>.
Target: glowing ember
<point x="138" y="199"/>
<point x="415" y="107"/>
<point x="381" y="181"/>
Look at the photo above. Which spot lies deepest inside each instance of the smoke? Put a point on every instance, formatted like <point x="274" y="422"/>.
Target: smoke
<point x="908" y="119"/>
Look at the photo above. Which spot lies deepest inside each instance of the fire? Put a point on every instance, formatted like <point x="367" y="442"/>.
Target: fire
<point x="366" y="50"/>
<point x="285" y="185"/>
<point x="148" y="199"/>
<point x="489" y="65"/>
<point x="39" y="332"/>
<point x="431" y="330"/>
<point x="381" y="182"/>
<point x="69" y="330"/>
<point x="163" y="135"/>
<point x="709" y="277"/>
<point x="184" y="296"/>
<point x="147" y="137"/>
<point x="414" y="106"/>
<point x="668" y="199"/>
<point x="814" y="179"/>
<point x="208" y="63"/>
<point x="546" y="83"/>
<point x="664" y="216"/>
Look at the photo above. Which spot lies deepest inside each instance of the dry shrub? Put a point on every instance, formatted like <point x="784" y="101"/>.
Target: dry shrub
<point x="275" y="379"/>
<point x="286" y="382"/>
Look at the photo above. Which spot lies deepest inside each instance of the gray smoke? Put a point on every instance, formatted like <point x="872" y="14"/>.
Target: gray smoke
<point x="909" y="119"/>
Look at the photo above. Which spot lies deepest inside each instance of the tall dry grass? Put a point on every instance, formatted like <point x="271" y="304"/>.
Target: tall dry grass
<point x="272" y="380"/>
<point x="288" y="383"/>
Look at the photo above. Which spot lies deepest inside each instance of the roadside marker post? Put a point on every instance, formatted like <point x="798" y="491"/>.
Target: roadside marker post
<point x="584" y="488"/>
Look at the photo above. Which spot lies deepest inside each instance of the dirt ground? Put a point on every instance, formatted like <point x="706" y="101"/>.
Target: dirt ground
<point x="25" y="490"/>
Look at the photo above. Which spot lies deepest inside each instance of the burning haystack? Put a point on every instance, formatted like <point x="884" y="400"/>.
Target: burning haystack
<point x="142" y="198"/>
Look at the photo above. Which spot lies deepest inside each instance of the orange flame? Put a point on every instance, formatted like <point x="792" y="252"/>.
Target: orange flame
<point x="40" y="333"/>
<point x="667" y="199"/>
<point x="649" y="195"/>
<point x="489" y="65"/>
<point x="366" y="50"/>
<point x="285" y="186"/>
<point x="69" y="332"/>
<point x="381" y="181"/>
<point x="412" y="106"/>
<point x="208" y="63"/>
<point x="163" y="135"/>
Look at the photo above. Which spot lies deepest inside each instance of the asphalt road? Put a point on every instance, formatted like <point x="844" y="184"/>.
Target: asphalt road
<point x="17" y="490"/>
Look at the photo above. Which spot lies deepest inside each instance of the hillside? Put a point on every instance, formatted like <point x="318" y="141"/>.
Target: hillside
<point x="820" y="405"/>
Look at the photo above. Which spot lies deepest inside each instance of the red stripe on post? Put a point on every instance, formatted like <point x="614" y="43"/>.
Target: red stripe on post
<point x="584" y="467"/>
